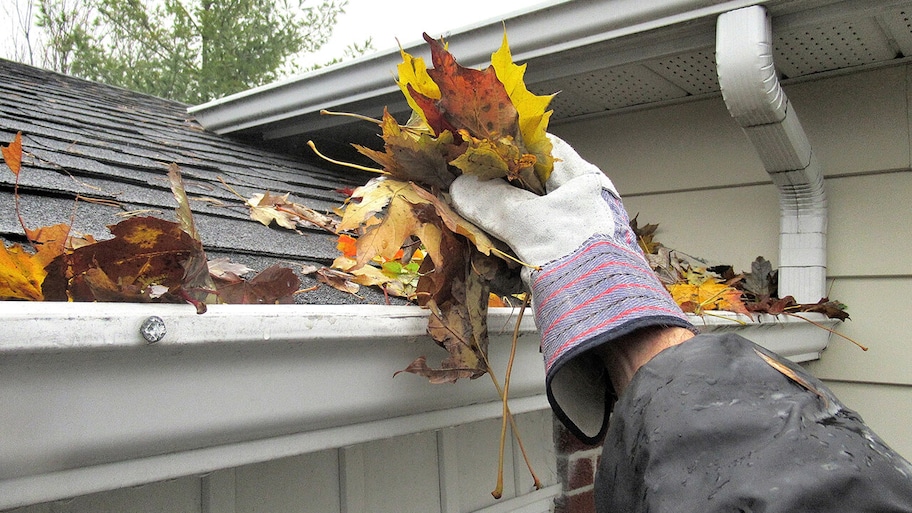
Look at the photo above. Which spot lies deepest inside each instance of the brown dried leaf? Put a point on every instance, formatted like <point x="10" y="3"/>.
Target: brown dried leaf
<point x="338" y="280"/>
<point x="274" y="285"/>
<point x="144" y="251"/>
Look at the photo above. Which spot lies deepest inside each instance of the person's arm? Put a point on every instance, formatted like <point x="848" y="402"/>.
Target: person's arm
<point x="623" y="358"/>
<point x="591" y="286"/>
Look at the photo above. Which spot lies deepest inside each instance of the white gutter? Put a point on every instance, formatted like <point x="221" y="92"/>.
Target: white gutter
<point x="751" y="90"/>
<point x="89" y="404"/>
<point x="554" y="27"/>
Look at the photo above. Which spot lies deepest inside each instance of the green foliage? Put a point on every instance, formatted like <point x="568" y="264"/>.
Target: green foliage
<point x="186" y="50"/>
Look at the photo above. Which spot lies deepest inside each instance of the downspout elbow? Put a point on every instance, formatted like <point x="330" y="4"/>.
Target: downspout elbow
<point x="755" y="99"/>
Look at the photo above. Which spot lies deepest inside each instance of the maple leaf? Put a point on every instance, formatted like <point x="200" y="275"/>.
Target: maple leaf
<point x="337" y="279"/>
<point x="707" y="295"/>
<point x="184" y="214"/>
<point x="21" y="274"/>
<point x="348" y="245"/>
<point x="12" y="154"/>
<point x="49" y="241"/>
<point x="456" y="223"/>
<point x="415" y="157"/>
<point x="196" y="283"/>
<point x="645" y="236"/>
<point x="144" y="251"/>
<point x="367" y="201"/>
<point x="273" y="285"/>
<point x="469" y="98"/>
<point x="832" y="309"/>
<point x="400" y="222"/>
<point x="531" y="109"/>
<point x="761" y="281"/>
<point x="488" y="158"/>
<point x="413" y="76"/>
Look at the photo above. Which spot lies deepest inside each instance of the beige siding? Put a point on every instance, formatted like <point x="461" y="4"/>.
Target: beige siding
<point x="177" y="496"/>
<point x="452" y="470"/>
<point x="689" y="168"/>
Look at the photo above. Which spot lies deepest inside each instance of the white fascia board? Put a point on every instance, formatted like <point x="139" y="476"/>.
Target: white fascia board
<point x="90" y="405"/>
<point x="548" y="30"/>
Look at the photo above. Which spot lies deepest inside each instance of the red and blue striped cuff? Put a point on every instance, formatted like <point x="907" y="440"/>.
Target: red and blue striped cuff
<point x="602" y="291"/>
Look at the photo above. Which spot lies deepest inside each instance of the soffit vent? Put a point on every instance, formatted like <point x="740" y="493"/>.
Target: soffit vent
<point x="693" y="72"/>
<point x="609" y="89"/>
<point x="837" y="45"/>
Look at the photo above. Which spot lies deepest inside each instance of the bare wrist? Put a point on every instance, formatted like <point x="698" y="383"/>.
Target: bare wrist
<point x="624" y="357"/>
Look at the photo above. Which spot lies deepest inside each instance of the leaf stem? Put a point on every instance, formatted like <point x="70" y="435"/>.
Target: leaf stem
<point x="834" y="332"/>
<point x="507" y="415"/>
<point x="507" y="256"/>
<point x="231" y="189"/>
<point x="345" y="164"/>
<point x="351" y="115"/>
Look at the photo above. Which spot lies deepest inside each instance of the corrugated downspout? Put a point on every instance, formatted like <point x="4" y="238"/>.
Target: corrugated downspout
<point x="751" y="90"/>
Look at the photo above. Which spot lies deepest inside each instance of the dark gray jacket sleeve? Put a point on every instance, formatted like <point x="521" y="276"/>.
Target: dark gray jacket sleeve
<point x="709" y="426"/>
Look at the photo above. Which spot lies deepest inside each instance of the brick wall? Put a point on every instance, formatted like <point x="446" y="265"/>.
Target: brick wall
<point x="576" y="466"/>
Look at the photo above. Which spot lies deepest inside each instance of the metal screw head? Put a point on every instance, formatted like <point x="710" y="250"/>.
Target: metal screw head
<point x="153" y="329"/>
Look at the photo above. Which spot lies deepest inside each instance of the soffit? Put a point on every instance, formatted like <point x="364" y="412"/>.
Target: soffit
<point x="660" y="57"/>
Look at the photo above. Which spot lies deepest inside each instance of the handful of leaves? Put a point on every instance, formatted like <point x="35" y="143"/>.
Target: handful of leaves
<point x="464" y="120"/>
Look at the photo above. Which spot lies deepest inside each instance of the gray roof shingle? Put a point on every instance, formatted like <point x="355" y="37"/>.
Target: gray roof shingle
<point x="105" y="143"/>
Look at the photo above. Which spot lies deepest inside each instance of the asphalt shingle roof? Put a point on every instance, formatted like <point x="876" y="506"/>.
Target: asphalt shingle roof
<point x="105" y="143"/>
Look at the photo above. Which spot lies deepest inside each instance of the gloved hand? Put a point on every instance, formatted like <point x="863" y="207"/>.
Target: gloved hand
<point x="594" y="285"/>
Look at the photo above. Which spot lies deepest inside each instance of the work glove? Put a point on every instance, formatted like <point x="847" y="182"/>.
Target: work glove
<point x="594" y="284"/>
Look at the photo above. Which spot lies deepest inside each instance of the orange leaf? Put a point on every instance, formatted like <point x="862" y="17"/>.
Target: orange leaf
<point x="49" y="241"/>
<point x="12" y="154"/>
<point x="348" y="245"/>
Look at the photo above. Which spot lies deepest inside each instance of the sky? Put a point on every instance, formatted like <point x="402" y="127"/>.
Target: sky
<point x="387" y="20"/>
<point x="382" y="20"/>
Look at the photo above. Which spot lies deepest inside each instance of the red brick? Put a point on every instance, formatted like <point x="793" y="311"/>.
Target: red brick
<point x="578" y="503"/>
<point x="582" y="502"/>
<point x="565" y="442"/>
<point x="581" y="473"/>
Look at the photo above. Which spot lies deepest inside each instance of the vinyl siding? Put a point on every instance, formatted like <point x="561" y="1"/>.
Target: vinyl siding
<point x="689" y="168"/>
<point x="452" y="470"/>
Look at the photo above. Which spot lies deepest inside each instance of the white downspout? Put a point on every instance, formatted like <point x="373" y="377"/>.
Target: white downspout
<point x="751" y="90"/>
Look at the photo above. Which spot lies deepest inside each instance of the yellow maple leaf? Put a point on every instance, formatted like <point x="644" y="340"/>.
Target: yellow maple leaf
<point x="413" y="71"/>
<point x="21" y="274"/>
<point x="708" y="295"/>
<point x="533" y="118"/>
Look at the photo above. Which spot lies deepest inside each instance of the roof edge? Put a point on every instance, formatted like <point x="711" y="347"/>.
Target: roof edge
<point x="548" y="29"/>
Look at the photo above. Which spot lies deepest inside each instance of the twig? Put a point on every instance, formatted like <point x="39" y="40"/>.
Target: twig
<point x="351" y="115"/>
<point x="507" y="415"/>
<point x="346" y="164"/>
<point x="507" y="256"/>
<point x="821" y="326"/>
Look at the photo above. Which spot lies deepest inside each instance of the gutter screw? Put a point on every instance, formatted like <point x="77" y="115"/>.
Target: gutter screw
<point x="153" y="329"/>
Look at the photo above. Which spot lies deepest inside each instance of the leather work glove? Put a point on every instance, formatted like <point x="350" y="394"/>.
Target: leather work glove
<point x="594" y="285"/>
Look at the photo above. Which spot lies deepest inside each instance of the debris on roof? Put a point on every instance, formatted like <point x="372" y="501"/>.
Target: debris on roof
<point x="111" y="149"/>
